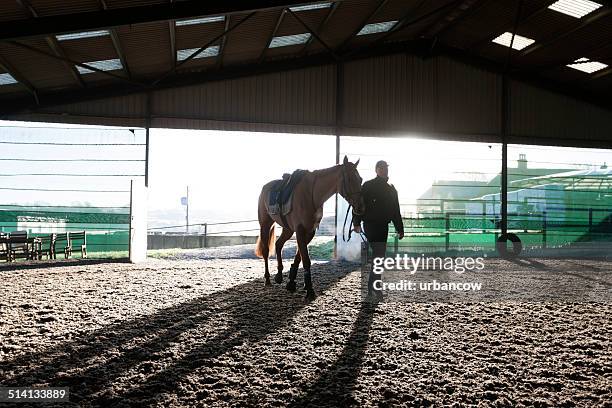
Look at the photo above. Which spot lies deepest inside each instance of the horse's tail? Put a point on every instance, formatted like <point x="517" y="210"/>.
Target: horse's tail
<point x="260" y="245"/>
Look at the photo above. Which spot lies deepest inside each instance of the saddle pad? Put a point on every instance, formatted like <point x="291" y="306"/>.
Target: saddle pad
<point x="281" y="193"/>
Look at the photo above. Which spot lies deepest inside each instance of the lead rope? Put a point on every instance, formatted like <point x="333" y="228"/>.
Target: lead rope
<point x="344" y="225"/>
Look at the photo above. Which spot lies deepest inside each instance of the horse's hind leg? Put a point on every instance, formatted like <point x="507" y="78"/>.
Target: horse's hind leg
<point x="264" y="235"/>
<point x="284" y="236"/>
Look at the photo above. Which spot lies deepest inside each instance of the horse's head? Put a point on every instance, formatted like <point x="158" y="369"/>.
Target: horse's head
<point x="350" y="186"/>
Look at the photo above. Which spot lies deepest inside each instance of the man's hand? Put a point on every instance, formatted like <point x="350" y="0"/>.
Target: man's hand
<point x="400" y="235"/>
<point x="357" y="229"/>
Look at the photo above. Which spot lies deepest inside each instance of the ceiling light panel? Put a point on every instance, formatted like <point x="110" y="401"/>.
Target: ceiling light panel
<point x="586" y="65"/>
<point x="7" y="79"/>
<point x="288" y="40"/>
<point x="84" y="34"/>
<point x="377" y="27"/>
<point x="104" y="65"/>
<point x="575" y="8"/>
<point x="203" y="20"/>
<point x="212" y="51"/>
<point x="519" y="42"/>
<point x="316" y="6"/>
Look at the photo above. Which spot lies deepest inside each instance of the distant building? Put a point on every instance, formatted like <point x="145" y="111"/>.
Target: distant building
<point x="456" y="195"/>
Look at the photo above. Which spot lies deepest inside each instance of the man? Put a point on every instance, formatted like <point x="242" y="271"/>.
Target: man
<point x="381" y="207"/>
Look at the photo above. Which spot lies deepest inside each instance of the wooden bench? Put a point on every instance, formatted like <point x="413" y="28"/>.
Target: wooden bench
<point x="21" y="246"/>
<point x="4" y="246"/>
<point x="62" y="240"/>
<point x="46" y="246"/>
<point x="77" y="236"/>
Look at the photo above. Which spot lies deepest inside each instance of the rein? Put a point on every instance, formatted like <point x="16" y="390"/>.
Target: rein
<point x="350" y="230"/>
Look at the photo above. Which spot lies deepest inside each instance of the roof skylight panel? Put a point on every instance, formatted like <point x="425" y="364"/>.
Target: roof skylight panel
<point x="586" y="65"/>
<point x="316" y="6"/>
<point x="84" y="34"/>
<point x="377" y="27"/>
<point x="211" y="51"/>
<point x="104" y="65"/>
<point x="202" y="20"/>
<point x="287" y="40"/>
<point x="519" y="42"/>
<point x="7" y="79"/>
<point x="575" y="8"/>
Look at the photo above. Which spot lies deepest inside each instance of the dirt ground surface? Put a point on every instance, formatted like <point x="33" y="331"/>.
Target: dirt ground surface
<point x="206" y="332"/>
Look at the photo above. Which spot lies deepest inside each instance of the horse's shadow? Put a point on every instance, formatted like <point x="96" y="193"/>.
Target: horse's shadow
<point x="91" y="365"/>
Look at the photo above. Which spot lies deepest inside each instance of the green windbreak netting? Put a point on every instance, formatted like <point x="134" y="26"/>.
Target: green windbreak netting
<point x="559" y="199"/>
<point x="56" y="179"/>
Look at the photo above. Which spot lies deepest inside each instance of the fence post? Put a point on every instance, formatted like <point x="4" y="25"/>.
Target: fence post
<point x="447" y="237"/>
<point x="543" y="229"/>
<point x="395" y="245"/>
<point x="483" y="217"/>
<point x="205" y="235"/>
<point x="590" y="220"/>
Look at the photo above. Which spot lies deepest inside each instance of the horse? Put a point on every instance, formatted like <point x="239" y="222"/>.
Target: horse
<point x="309" y="195"/>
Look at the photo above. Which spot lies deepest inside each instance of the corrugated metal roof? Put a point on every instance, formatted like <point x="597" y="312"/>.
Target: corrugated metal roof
<point x="458" y="27"/>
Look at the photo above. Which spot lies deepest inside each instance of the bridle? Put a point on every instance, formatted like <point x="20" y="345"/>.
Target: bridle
<point x="351" y="196"/>
<point x="348" y="195"/>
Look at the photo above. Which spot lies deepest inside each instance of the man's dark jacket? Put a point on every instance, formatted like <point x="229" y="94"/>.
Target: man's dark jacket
<point x="381" y="204"/>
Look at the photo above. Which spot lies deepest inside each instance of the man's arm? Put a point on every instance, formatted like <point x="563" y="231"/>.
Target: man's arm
<point x="398" y="223"/>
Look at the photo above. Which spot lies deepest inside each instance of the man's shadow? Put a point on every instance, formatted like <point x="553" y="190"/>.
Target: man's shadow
<point x="335" y="386"/>
<point x="93" y="363"/>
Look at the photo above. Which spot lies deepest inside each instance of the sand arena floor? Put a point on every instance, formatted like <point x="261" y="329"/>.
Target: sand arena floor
<point x="206" y="332"/>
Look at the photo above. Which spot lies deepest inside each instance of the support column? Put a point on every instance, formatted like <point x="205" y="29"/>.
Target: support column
<point x="148" y="127"/>
<point x="339" y="108"/>
<point x="504" y="169"/>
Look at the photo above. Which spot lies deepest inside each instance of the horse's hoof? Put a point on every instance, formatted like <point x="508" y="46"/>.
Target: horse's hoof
<point x="268" y="283"/>
<point x="310" y="296"/>
<point x="278" y="278"/>
<point x="291" y="287"/>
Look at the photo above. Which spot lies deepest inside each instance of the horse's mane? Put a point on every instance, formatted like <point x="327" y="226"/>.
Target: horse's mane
<point x="322" y="172"/>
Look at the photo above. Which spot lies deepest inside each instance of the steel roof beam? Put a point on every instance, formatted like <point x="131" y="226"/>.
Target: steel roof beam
<point x="365" y="21"/>
<point x="539" y="45"/>
<point x="328" y="16"/>
<point x="15" y="106"/>
<point x="279" y="21"/>
<point x="6" y="66"/>
<point x="117" y="44"/>
<point x="105" y="19"/>
<point x="53" y="44"/>
<point x="223" y="43"/>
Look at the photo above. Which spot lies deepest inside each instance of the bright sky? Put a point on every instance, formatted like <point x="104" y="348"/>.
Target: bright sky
<point x="226" y="170"/>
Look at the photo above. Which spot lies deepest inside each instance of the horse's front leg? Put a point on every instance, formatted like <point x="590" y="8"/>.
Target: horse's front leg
<point x="293" y="270"/>
<point x="303" y="238"/>
<point x="280" y="242"/>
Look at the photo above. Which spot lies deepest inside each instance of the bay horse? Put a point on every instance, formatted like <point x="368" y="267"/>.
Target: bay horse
<point x="309" y="195"/>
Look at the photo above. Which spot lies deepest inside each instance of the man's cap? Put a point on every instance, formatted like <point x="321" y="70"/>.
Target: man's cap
<point x="381" y="163"/>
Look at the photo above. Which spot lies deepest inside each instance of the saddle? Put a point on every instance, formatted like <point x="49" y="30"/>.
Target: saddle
<point x="279" y="198"/>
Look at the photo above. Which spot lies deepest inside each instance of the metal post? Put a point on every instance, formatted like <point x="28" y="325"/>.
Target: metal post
<point x="483" y="216"/>
<point x="447" y="236"/>
<point x="131" y="216"/>
<point x="205" y="235"/>
<point x="590" y="220"/>
<point x="339" y="108"/>
<point x="187" y="213"/>
<point x="148" y="126"/>
<point x="395" y="245"/>
<point x="544" y="226"/>
<point x="504" y="169"/>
